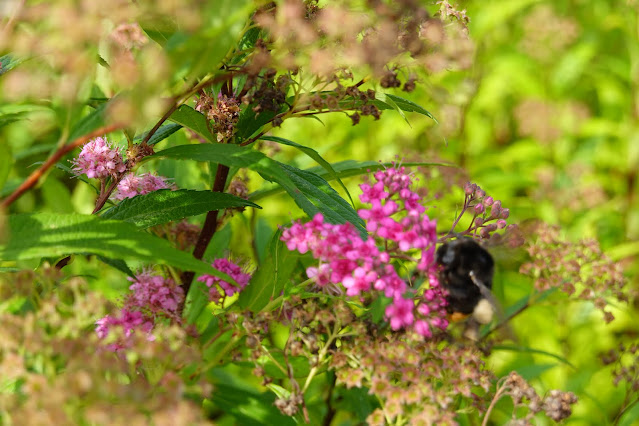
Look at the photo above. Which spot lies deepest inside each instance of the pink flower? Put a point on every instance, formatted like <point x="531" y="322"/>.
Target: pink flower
<point x="132" y="185"/>
<point x="99" y="160"/>
<point x="232" y="270"/>
<point x="155" y="293"/>
<point x="129" y="322"/>
<point x="400" y="313"/>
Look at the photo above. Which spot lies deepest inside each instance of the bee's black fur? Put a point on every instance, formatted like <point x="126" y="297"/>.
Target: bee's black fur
<point x="457" y="259"/>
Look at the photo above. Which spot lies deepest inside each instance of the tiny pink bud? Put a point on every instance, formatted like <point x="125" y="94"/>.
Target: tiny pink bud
<point x="483" y="232"/>
<point x="505" y="213"/>
<point x="501" y="224"/>
<point x="479" y="221"/>
<point x="479" y="208"/>
<point x="488" y="201"/>
<point x="479" y="193"/>
<point x="469" y="188"/>
<point x="491" y="227"/>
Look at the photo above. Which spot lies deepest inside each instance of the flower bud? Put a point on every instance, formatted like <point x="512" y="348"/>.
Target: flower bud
<point x="479" y="221"/>
<point x="504" y="213"/>
<point x="479" y="193"/>
<point x="501" y="224"/>
<point x="479" y="208"/>
<point x="469" y="188"/>
<point x="488" y="201"/>
<point x="483" y="232"/>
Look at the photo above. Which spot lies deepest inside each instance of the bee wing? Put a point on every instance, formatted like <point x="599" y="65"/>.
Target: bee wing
<point x="488" y="296"/>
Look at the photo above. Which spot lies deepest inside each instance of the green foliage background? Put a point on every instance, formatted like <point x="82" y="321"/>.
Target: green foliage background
<point x="546" y="120"/>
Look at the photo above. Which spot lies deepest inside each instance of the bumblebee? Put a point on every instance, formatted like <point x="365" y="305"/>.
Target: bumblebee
<point x="466" y="272"/>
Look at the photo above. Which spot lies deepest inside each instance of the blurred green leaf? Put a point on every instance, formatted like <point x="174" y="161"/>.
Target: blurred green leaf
<point x="196" y="301"/>
<point x="165" y="205"/>
<point x="7" y="63"/>
<point x="249" y="407"/>
<point x="89" y="123"/>
<point x="524" y="349"/>
<point x="6" y="162"/>
<point x="118" y="264"/>
<point x="40" y="235"/>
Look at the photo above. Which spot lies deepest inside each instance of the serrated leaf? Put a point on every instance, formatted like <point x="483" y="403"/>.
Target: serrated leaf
<point x="162" y="133"/>
<point x="345" y="169"/>
<point x="165" y="205"/>
<point x="314" y="155"/>
<point x="270" y="278"/>
<point x="38" y="235"/>
<point x="191" y="119"/>
<point x="323" y="197"/>
<point x="309" y="191"/>
<point x="393" y="102"/>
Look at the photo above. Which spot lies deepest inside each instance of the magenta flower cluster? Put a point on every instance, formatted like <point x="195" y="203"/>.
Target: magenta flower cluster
<point x="98" y="159"/>
<point x="129" y="322"/>
<point x="152" y="297"/>
<point x="397" y="222"/>
<point x="132" y="185"/>
<point x="216" y="284"/>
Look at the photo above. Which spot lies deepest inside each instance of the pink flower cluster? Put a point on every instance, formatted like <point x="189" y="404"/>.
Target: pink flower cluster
<point x="98" y="159"/>
<point x="232" y="270"/>
<point x="360" y="266"/>
<point x="129" y="322"/>
<point x="153" y="296"/>
<point x="132" y="185"/>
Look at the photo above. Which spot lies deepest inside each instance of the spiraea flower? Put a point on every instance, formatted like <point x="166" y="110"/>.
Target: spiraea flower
<point x="98" y="159"/>
<point x="397" y="222"/>
<point x="155" y="294"/>
<point x="128" y="322"/>
<point x="216" y="283"/>
<point x="132" y="185"/>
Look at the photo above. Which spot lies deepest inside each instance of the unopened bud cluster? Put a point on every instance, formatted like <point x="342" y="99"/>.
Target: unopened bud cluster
<point x="488" y="213"/>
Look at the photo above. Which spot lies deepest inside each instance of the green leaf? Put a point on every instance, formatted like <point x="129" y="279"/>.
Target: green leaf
<point x="270" y="278"/>
<point x="37" y="235"/>
<point x="323" y="197"/>
<point x="118" y="264"/>
<point x="7" y="63"/>
<point x="89" y="123"/>
<point x="309" y="191"/>
<point x="249" y="407"/>
<point x="250" y="122"/>
<point x="12" y="117"/>
<point x="165" y="205"/>
<point x="162" y="133"/>
<point x="196" y="301"/>
<point x="395" y="102"/>
<point x="190" y="118"/>
<point x="344" y="169"/>
<point x="314" y="155"/>
<point x="6" y="162"/>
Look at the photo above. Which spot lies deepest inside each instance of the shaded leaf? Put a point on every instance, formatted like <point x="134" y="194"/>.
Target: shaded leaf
<point x="39" y="235"/>
<point x="165" y="205"/>
<point x="89" y="123"/>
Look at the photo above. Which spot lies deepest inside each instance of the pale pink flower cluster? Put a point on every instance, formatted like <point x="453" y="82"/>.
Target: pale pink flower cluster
<point x="398" y="223"/>
<point x="132" y="185"/>
<point x="232" y="270"/>
<point x="98" y="159"/>
<point x="152" y="296"/>
<point x="155" y="294"/>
